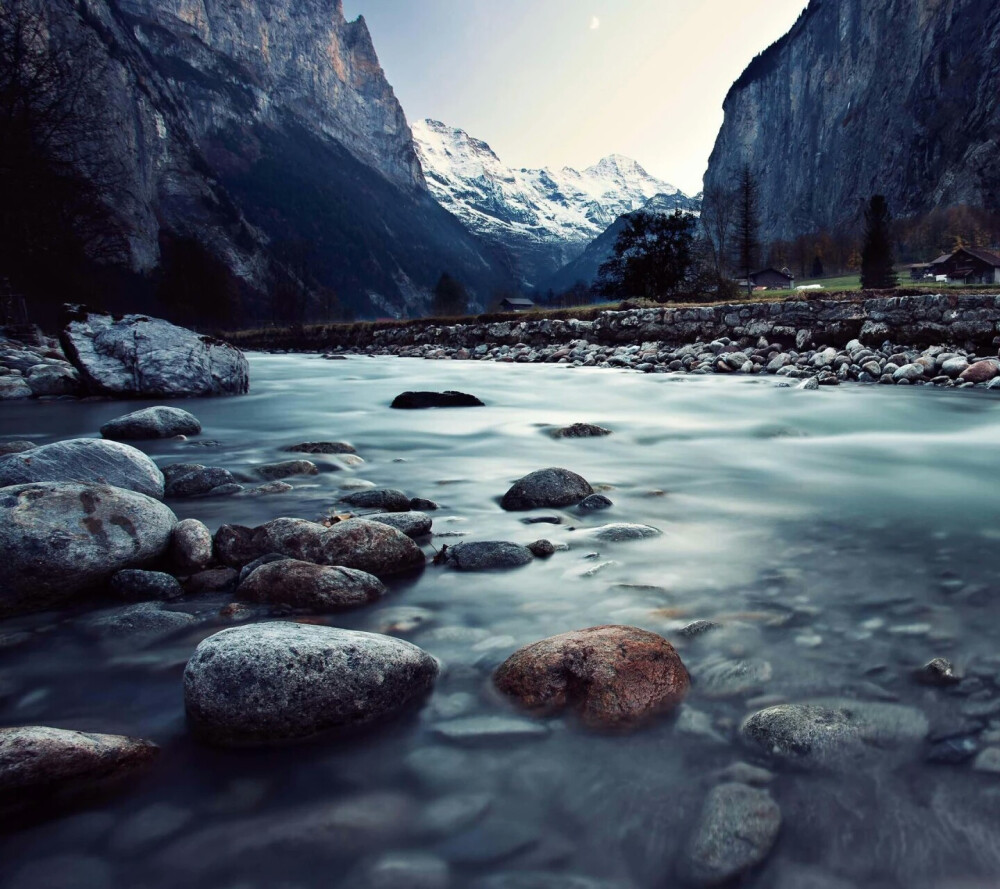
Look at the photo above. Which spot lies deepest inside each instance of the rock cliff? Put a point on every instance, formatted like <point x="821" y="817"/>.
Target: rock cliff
<point x="898" y="97"/>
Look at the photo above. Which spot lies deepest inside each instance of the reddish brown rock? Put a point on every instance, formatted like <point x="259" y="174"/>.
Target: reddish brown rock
<point x="614" y="676"/>
<point x="980" y="372"/>
<point x="316" y="587"/>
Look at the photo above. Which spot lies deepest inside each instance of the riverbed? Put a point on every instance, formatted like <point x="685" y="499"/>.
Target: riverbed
<point x="840" y="538"/>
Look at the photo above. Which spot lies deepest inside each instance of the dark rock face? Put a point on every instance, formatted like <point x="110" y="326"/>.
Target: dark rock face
<point x="386" y="499"/>
<point x="274" y="682"/>
<point x="420" y="400"/>
<point x="614" y="676"/>
<point x="61" y="539"/>
<point x="37" y="761"/>
<point x="355" y="543"/>
<point x="910" y="113"/>
<point x="486" y="555"/>
<point x="141" y="357"/>
<point x="84" y="460"/>
<point x="318" y="588"/>
<point x="546" y="488"/>
<point x="150" y="423"/>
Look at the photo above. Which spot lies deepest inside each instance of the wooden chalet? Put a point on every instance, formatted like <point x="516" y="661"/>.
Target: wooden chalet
<point x="968" y="265"/>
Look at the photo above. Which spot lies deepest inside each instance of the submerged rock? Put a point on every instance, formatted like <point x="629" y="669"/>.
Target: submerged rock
<point x="136" y="585"/>
<point x="832" y="734"/>
<point x="419" y="400"/>
<point x="579" y="430"/>
<point x="196" y="480"/>
<point x="486" y="555"/>
<point x="274" y="682"/>
<point x="385" y="499"/>
<point x="596" y="502"/>
<point x="88" y="460"/>
<point x="619" y="532"/>
<point x="61" y="539"/>
<point x="287" y="469"/>
<point x="150" y="423"/>
<point x="322" y="447"/>
<point x="546" y="488"/>
<point x="736" y="830"/>
<point x="938" y="671"/>
<point x="139" y="356"/>
<point x="314" y="587"/>
<point x="614" y="676"/>
<point x="38" y="763"/>
<point x="411" y="523"/>
<point x="191" y="546"/>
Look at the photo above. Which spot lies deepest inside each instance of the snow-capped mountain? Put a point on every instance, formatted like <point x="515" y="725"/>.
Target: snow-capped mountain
<point x="545" y="218"/>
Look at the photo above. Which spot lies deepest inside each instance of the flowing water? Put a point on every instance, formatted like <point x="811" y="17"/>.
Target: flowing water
<point x="839" y="537"/>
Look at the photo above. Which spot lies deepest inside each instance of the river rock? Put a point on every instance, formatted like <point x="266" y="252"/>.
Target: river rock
<point x="614" y="676"/>
<point x="411" y="523"/>
<point x="196" y="480"/>
<point x="579" y="430"/>
<point x="595" y="502"/>
<point x="137" y="585"/>
<point x="384" y="499"/>
<point x="14" y="388"/>
<point x="150" y="423"/>
<point x="38" y="762"/>
<point x="16" y="447"/>
<point x="191" y="546"/>
<point x="735" y="832"/>
<point x="138" y="356"/>
<point x="832" y="734"/>
<point x="980" y="372"/>
<point x="315" y="587"/>
<point x="321" y="447"/>
<point x="275" y="682"/>
<point x="213" y="580"/>
<point x="87" y="460"/>
<point x="355" y="543"/>
<point x="287" y="469"/>
<point x="955" y="366"/>
<point x="937" y="671"/>
<point x="419" y="400"/>
<point x="546" y="488"/>
<point x="53" y="379"/>
<point x="486" y="555"/>
<point x="619" y="532"/>
<point x="542" y="549"/>
<point x="61" y="539"/>
<point x="138" y="625"/>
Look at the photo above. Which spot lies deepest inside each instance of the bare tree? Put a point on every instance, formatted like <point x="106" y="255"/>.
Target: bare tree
<point x="718" y="208"/>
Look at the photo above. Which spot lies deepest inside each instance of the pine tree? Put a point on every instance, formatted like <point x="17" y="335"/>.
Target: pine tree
<point x="747" y="224"/>
<point x="450" y="297"/>
<point x="877" y="258"/>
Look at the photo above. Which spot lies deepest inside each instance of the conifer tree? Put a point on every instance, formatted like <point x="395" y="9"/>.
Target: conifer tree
<point x="877" y="260"/>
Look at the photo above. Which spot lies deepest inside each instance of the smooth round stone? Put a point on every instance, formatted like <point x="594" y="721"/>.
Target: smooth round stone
<point x="385" y="499"/>
<point x="287" y="469"/>
<point x="273" y="682"/>
<point x="137" y="585"/>
<point x="411" y="523"/>
<point x="85" y="460"/>
<point x="305" y="585"/>
<point x="152" y="422"/>
<point x="486" y="555"/>
<point x="596" y="502"/>
<point x="620" y="532"/>
<point x="579" y="430"/>
<point x="16" y="447"/>
<point x="191" y="546"/>
<point x="546" y="489"/>
<point x="60" y="540"/>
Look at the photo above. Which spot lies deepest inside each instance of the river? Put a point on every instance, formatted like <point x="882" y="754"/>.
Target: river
<point x="840" y="538"/>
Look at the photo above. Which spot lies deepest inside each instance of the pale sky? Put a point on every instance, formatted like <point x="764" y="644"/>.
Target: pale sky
<point x="566" y="82"/>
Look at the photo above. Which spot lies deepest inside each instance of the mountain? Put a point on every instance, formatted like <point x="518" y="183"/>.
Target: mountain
<point x="544" y="218"/>
<point x="266" y="132"/>
<point x="586" y="266"/>
<point x="896" y="97"/>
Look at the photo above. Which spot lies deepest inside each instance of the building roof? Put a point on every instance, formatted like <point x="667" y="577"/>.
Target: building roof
<point x="775" y="271"/>
<point x="987" y="256"/>
<point x="527" y="303"/>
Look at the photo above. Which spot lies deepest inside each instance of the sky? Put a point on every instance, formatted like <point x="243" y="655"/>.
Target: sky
<point x="552" y="83"/>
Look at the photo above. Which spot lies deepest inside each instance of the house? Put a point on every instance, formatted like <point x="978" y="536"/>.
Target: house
<point x="968" y="265"/>
<point x="773" y="279"/>
<point x="516" y="305"/>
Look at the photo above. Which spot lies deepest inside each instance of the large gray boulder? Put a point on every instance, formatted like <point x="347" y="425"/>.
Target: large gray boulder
<point x="142" y="357"/>
<point x="274" y="682"/>
<point x="547" y="489"/>
<point x="61" y="539"/>
<point x="315" y="587"/>
<point x="84" y="460"/>
<point x="486" y="555"/>
<point x="367" y="546"/>
<point x="150" y="423"/>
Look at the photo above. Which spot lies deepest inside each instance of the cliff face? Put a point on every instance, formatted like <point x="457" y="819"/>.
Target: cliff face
<point x="267" y="131"/>
<point x="898" y="97"/>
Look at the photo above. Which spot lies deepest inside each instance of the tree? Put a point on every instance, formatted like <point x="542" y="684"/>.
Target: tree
<point x="817" y="267"/>
<point x="877" y="260"/>
<point x="747" y="224"/>
<point x="450" y="297"/>
<point x="718" y="208"/>
<point x="652" y="256"/>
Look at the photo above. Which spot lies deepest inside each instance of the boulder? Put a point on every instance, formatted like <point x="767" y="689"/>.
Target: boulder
<point x="62" y="539"/>
<point x="150" y="423"/>
<point x="355" y="543"/>
<point x="53" y="379"/>
<point x="735" y="832"/>
<point x="317" y="588"/>
<point x="384" y="499"/>
<point x="579" y="430"/>
<point x="15" y="447"/>
<point x="275" y="682"/>
<point x="84" y="460"/>
<point x="981" y="371"/>
<point x="287" y="469"/>
<point x="546" y="488"/>
<point x="321" y="447"/>
<point x="419" y="400"/>
<point x="142" y="357"/>
<point x="214" y="580"/>
<point x="195" y="480"/>
<point x="411" y="523"/>
<point x="137" y="585"/>
<point x="614" y="676"/>
<point x="832" y="734"/>
<point x="485" y="555"/>
<point x="38" y="763"/>
<point x="191" y="546"/>
<point x="14" y="388"/>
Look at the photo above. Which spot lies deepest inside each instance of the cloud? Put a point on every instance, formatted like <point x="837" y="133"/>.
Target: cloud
<point x="595" y="23"/>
